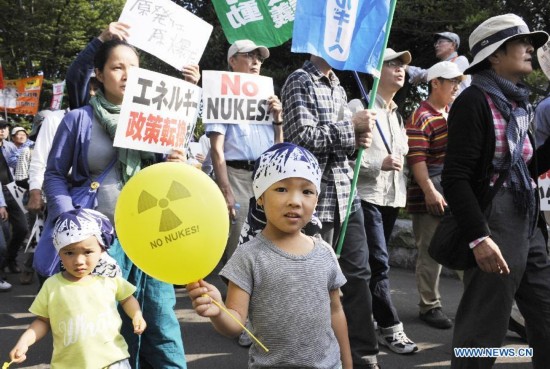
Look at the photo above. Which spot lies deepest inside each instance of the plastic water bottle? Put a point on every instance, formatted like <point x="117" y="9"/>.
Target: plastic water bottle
<point x="237" y="207"/>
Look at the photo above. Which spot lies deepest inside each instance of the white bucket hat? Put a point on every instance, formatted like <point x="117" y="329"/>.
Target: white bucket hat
<point x="495" y="31"/>
<point x="391" y="54"/>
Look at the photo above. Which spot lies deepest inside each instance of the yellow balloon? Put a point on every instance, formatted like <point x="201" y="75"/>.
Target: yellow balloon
<point x="171" y="220"/>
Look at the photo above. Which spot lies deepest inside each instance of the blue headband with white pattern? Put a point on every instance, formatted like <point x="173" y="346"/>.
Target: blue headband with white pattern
<point x="285" y="160"/>
<point x="79" y="224"/>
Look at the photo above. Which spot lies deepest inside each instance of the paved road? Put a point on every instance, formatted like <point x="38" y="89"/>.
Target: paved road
<point x="205" y="349"/>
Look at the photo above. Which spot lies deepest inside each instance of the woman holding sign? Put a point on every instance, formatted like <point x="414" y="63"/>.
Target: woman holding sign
<point x="94" y="126"/>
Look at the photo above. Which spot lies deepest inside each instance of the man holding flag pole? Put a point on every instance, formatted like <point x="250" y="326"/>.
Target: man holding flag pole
<point x="351" y="35"/>
<point x="331" y="133"/>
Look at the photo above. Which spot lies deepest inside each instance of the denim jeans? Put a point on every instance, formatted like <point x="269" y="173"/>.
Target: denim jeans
<point x="357" y="300"/>
<point x="379" y="222"/>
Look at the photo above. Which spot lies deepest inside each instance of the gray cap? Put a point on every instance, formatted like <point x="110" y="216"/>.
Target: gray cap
<point x="449" y="36"/>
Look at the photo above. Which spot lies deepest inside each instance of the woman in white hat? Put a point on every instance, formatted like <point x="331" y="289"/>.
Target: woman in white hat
<point x="489" y="136"/>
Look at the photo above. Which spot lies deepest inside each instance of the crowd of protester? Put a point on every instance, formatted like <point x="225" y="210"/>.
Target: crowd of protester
<point x="287" y="188"/>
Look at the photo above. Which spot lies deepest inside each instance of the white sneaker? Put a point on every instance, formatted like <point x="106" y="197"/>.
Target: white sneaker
<point x="395" y="339"/>
<point x="4" y="286"/>
<point x="244" y="338"/>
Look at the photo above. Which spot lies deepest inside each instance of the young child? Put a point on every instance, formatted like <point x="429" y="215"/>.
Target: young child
<point x="288" y="282"/>
<point x="80" y="308"/>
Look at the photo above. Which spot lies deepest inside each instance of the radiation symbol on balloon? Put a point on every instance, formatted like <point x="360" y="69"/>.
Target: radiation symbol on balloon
<point x="168" y="219"/>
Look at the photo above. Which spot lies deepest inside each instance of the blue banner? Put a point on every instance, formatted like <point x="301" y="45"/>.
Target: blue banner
<point x="348" y="34"/>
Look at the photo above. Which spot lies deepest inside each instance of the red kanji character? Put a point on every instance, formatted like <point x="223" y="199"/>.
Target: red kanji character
<point x="168" y="133"/>
<point x="135" y="125"/>
<point x="152" y="128"/>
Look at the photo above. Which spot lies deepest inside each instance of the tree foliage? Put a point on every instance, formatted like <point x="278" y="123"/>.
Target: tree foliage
<point x="45" y="35"/>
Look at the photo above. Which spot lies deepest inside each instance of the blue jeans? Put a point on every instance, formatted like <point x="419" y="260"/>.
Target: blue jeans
<point x="379" y="222"/>
<point x="356" y="301"/>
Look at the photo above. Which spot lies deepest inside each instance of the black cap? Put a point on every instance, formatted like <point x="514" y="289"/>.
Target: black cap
<point x="4" y="123"/>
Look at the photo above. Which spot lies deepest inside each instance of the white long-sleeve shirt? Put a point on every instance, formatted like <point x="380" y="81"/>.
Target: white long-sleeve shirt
<point x="42" y="147"/>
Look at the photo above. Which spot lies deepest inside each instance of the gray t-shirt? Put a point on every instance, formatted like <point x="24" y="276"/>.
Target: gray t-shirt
<point x="100" y="154"/>
<point x="289" y="303"/>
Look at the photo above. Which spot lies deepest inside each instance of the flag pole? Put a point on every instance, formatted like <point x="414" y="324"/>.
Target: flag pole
<point x="370" y="106"/>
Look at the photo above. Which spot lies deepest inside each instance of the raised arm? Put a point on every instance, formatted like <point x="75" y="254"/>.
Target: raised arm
<point x="81" y="69"/>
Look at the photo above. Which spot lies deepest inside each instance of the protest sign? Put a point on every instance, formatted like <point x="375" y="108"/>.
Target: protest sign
<point x="348" y="34"/>
<point x="166" y="30"/>
<point x="236" y="98"/>
<point x="266" y="22"/>
<point x="158" y="112"/>
<point x="18" y="193"/>
<point x="57" y="96"/>
<point x="543" y="56"/>
<point x="21" y="96"/>
<point x="544" y="191"/>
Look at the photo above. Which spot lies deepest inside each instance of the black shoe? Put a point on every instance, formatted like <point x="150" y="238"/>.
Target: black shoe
<point x="13" y="268"/>
<point x="436" y="318"/>
<point x="518" y="328"/>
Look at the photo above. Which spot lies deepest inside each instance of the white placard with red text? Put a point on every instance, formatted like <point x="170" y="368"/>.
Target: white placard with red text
<point x="236" y="98"/>
<point x="166" y="30"/>
<point x="158" y="112"/>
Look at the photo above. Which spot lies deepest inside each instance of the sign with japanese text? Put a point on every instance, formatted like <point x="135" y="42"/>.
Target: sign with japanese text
<point x="543" y="56"/>
<point x="166" y="30"/>
<point x="266" y="22"/>
<point x="21" y="96"/>
<point x="236" y="98"/>
<point x="57" y="96"/>
<point x="348" y="34"/>
<point x="544" y="191"/>
<point x="158" y="112"/>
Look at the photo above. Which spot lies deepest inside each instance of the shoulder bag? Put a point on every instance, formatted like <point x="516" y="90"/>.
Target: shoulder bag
<point x="448" y="246"/>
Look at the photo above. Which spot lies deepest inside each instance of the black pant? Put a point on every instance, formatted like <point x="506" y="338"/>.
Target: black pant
<point x="357" y="299"/>
<point x="19" y="228"/>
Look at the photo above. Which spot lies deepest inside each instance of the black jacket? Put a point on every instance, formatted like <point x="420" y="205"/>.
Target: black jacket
<point x="468" y="162"/>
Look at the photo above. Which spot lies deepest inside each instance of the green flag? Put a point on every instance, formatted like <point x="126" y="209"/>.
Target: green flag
<point x="266" y="22"/>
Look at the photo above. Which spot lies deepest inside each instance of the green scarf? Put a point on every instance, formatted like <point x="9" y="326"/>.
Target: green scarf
<point x="107" y="114"/>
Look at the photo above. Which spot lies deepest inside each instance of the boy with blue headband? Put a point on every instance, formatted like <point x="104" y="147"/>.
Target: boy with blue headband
<point x="287" y="283"/>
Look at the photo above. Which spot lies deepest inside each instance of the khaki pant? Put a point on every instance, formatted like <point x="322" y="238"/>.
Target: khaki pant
<point x="427" y="269"/>
<point x="241" y="184"/>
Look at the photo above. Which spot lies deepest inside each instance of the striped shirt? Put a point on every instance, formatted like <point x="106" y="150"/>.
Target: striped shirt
<point x="289" y="305"/>
<point x="317" y="117"/>
<point x="427" y="131"/>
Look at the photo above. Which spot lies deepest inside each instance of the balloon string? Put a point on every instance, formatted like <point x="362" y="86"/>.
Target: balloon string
<point x="238" y="322"/>
<point x="6" y="364"/>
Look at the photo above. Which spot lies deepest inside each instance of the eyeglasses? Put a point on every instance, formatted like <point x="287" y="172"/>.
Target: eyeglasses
<point x="454" y="81"/>
<point x="440" y="41"/>
<point x="252" y="55"/>
<point x="395" y="64"/>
